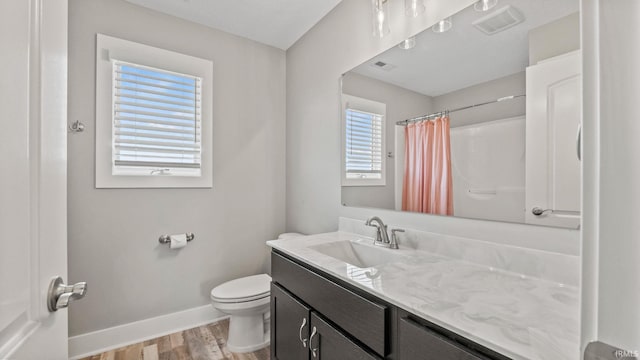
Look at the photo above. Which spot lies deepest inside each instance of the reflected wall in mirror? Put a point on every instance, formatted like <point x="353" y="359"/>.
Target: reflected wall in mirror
<point x="481" y="121"/>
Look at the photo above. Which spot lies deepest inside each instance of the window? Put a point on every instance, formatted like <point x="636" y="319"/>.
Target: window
<point x="153" y="117"/>
<point x="156" y="121"/>
<point x="363" y="146"/>
<point x="363" y="156"/>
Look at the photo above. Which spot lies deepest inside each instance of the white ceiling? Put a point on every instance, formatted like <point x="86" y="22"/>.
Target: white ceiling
<point x="278" y="23"/>
<point x="464" y="56"/>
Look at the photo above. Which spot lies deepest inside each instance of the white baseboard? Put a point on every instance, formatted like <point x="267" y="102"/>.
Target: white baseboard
<point x="111" y="338"/>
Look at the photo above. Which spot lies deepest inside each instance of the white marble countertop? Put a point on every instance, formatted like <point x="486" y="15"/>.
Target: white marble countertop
<point x="516" y="315"/>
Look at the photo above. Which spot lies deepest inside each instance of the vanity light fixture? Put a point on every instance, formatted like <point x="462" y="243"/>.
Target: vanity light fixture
<point x="380" y="10"/>
<point x="380" y="13"/>
<point x="409" y="43"/>
<point x="485" y="5"/>
<point x="443" y="25"/>
<point x="413" y="8"/>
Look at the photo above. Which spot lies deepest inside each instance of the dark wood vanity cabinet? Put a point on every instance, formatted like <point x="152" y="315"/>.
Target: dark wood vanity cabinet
<point x="298" y="333"/>
<point x="317" y="317"/>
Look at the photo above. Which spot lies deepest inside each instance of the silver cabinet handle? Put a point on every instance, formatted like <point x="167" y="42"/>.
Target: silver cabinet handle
<point x="314" y="351"/>
<point x="303" y="341"/>
<point x="579" y="142"/>
<point x="60" y="295"/>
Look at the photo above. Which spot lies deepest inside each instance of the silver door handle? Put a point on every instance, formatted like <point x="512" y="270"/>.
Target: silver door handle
<point x="60" y="295"/>
<point x="579" y="142"/>
<point x="314" y="351"/>
<point x="304" y="341"/>
<point x="537" y="211"/>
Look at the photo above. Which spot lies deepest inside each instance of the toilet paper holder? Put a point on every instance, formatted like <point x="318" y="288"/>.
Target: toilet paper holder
<point x="166" y="239"/>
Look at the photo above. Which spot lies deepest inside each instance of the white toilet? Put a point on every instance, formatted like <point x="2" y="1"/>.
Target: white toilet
<point x="247" y="300"/>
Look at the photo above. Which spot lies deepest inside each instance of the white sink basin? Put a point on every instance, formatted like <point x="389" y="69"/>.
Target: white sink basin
<point x="357" y="254"/>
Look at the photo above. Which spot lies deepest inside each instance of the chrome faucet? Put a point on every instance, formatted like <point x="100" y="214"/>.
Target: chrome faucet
<point x="382" y="238"/>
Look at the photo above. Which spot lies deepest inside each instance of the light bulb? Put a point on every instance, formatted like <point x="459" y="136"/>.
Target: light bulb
<point x="413" y="8"/>
<point x="409" y="43"/>
<point x="485" y="5"/>
<point x="443" y="25"/>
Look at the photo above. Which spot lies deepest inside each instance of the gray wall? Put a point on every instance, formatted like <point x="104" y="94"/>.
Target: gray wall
<point x="401" y="104"/>
<point x="544" y="41"/>
<point x="113" y="234"/>
<point x="490" y="90"/>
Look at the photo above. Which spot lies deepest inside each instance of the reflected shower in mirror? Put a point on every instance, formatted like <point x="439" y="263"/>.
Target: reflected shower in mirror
<point x="480" y="121"/>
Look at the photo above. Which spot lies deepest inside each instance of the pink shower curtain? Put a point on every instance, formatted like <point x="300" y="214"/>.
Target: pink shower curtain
<point x="427" y="185"/>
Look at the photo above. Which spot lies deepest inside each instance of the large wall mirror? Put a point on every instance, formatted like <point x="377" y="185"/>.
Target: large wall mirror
<point x="479" y="121"/>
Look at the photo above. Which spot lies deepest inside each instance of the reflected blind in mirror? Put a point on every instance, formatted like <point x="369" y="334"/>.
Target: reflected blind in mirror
<point x="363" y="155"/>
<point x="157" y="120"/>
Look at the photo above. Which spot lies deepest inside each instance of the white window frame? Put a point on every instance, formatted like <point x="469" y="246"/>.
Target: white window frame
<point x="110" y="49"/>
<point x="370" y="106"/>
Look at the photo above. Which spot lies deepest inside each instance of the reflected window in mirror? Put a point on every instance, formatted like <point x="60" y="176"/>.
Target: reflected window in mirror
<point x="363" y="163"/>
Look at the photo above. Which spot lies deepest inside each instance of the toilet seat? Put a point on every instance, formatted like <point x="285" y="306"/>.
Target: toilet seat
<point x="241" y="290"/>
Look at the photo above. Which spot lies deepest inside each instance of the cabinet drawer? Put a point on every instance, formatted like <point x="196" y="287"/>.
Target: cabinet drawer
<point x="363" y="319"/>
<point x="419" y="342"/>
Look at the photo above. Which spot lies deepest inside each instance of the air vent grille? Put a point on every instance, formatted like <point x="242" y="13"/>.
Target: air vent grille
<point x="383" y="65"/>
<point x="500" y="20"/>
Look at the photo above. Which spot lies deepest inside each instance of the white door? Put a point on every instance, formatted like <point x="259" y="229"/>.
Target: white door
<point x="554" y="102"/>
<point x="611" y="246"/>
<point x="33" y="212"/>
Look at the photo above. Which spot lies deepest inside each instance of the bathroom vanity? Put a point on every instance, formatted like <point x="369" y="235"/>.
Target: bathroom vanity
<point x="318" y="316"/>
<point x="336" y="296"/>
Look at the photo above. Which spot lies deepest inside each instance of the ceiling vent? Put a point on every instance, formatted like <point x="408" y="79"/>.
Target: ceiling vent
<point x="383" y="66"/>
<point x="499" y="20"/>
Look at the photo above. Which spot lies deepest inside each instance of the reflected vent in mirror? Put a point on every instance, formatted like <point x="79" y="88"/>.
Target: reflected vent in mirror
<point x="499" y="20"/>
<point x="383" y="66"/>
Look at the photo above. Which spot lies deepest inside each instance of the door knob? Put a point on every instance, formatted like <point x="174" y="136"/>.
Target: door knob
<point x="60" y="295"/>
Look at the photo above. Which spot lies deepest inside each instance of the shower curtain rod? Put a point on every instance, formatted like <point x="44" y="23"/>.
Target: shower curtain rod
<point x="427" y="117"/>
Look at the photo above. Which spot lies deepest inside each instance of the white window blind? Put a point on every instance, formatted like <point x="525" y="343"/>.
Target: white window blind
<point x="363" y="153"/>
<point x="157" y="121"/>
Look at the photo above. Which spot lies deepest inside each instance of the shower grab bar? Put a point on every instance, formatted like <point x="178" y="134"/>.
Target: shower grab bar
<point x="483" y="191"/>
<point x="166" y="239"/>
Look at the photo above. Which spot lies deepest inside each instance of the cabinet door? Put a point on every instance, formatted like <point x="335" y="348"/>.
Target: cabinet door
<point x="289" y="326"/>
<point x="328" y="343"/>
<point x="418" y="342"/>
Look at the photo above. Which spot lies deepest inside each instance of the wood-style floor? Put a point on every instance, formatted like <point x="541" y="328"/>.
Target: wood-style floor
<point x="207" y="342"/>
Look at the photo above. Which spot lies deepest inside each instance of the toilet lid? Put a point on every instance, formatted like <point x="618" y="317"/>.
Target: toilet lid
<point x="243" y="289"/>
